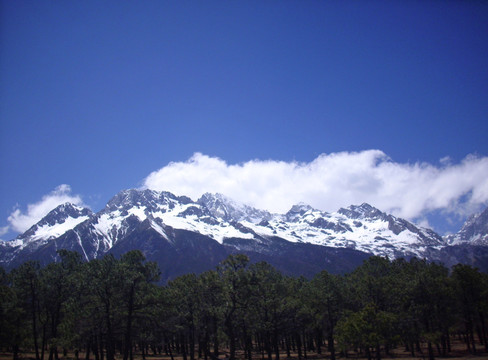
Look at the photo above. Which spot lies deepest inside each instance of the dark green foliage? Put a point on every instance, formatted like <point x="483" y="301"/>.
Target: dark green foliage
<point x="112" y="307"/>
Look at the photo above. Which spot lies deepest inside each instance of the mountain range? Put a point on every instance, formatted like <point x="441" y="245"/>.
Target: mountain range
<point x="183" y="235"/>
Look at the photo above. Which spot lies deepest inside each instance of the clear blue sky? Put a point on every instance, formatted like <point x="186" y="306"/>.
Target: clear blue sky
<point x="98" y="94"/>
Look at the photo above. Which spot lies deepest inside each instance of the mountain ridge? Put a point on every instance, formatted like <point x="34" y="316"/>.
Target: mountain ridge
<point x="166" y="223"/>
<point x="474" y="231"/>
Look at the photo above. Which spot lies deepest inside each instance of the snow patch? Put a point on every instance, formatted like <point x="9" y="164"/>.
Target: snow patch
<point x="159" y="230"/>
<point x="50" y="232"/>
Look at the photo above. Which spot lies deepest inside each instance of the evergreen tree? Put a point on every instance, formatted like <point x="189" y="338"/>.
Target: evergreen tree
<point x="235" y="285"/>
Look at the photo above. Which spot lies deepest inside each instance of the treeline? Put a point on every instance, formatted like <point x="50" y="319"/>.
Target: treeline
<point x="114" y="307"/>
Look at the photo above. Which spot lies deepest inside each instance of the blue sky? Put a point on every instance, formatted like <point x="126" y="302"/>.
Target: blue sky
<point x="96" y="96"/>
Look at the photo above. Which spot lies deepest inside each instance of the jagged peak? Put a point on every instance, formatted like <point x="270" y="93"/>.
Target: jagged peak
<point x="221" y="206"/>
<point x="301" y="207"/>
<point x="297" y="211"/>
<point x="479" y="218"/>
<point x="363" y="207"/>
<point x="144" y="197"/>
<point x="67" y="209"/>
<point x="209" y="195"/>
<point x="59" y="219"/>
<point x="366" y="206"/>
<point x="473" y="231"/>
<point x="362" y="227"/>
<point x="131" y="196"/>
<point x="218" y="198"/>
<point x="68" y="206"/>
<point x="364" y="210"/>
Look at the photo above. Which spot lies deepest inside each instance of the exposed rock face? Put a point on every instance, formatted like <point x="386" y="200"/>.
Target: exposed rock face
<point x="183" y="235"/>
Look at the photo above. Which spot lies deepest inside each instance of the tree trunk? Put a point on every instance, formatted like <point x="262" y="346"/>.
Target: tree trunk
<point x="109" y="340"/>
<point x="43" y="342"/>
<point x="205" y="345"/>
<point x="168" y="347"/>
<point x="318" y="340"/>
<point x="368" y="353"/>
<point x="267" y="345"/>
<point x="183" y="346"/>
<point x="276" y="345"/>
<point x="232" y="341"/>
<point x="34" y="319"/>
<point x="299" y="345"/>
<point x="232" y="347"/>
<point x="331" y="345"/>
<point x="192" y="340"/>
<point x="143" y="350"/>
<point x="431" y="351"/>
<point x="100" y="343"/>
<point x="287" y="345"/>
<point x="96" y="350"/>
<point x="471" y="338"/>
<point x="88" y="347"/>
<point x="483" y="330"/>
<point x="216" y="338"/>
<point x="304" y="342"/>
<point x="16" y="352"/>
<point x="249" y="347"/>
<point x="128" y="330"/>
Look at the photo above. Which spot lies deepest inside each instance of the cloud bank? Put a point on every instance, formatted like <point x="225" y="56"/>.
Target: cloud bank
<point x="334" y="180"/>
<point x="329" y="182"/>
<point x="21" y="221"/>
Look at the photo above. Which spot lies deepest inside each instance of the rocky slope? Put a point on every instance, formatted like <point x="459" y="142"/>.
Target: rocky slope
<point x="184" y="235"/>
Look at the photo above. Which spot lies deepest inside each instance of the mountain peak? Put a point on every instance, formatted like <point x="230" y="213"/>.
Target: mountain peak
<point x="59" y="220"/>
<point x="474" y="231"/>
<point x="227" y="209"/>
<point x="297" y="211"/>
<point x="149" y="220"/>
<point x="217" y="200"/>
<point x="130" y="197"/>
<point x="220" y="206"/>
<point x="301" y="206"/>
<point x="60" y="213"/>
<point x="363" y="211"/>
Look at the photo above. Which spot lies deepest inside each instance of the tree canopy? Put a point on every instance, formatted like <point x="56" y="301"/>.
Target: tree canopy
<point x="115" y="307"/>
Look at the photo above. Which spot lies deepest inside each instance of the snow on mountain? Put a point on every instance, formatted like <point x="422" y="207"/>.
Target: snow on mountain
<point x="473" y="232"/>
<point x="165" y="209"/>
<point x="58" y="221"/>
<point x="363" y="228"/>
<point x="133" y="214"/>
<point x="227" y="209"/>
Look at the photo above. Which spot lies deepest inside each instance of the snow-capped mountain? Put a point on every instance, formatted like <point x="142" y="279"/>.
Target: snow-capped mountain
<point x="59" y="220"/>
<point x="227" y="209"/>
<point x="56" y="223"/>
<point x="185" y="235"/>
<point x="473" y="232"/>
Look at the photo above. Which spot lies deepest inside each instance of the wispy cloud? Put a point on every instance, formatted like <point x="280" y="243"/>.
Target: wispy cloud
<point x="335" y="180"/>
<point x="20" y="221"/>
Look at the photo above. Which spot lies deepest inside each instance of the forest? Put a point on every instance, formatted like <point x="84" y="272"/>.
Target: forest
<point x="116" y="308"/>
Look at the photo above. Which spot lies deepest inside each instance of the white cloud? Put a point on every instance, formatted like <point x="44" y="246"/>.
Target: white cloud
<point x="21" y="221"/>
<point x="334" y="180"/>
